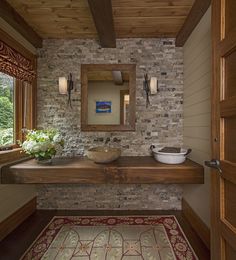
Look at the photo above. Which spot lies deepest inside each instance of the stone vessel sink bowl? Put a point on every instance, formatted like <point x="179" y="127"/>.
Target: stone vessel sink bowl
<point x="103" y="154"/>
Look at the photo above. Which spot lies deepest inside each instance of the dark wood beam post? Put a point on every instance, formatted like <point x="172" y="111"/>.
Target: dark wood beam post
<point x="8" y="14"/>
<point x="102" y="15"/>
<point x="197" y="11"/>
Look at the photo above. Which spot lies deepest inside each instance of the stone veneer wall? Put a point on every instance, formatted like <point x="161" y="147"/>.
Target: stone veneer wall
<point x="161" y="123"/>
<point x="109" y="196"/>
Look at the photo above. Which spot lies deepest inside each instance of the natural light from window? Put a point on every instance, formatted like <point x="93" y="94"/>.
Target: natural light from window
<point x="6" y="109"/>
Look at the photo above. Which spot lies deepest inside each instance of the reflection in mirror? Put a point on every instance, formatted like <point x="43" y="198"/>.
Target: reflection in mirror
<point x="108" y="97"/>
<point x="124" y="107"/>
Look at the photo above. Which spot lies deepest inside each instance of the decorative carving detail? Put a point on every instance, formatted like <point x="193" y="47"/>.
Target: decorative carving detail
<point x="14" y="64"/>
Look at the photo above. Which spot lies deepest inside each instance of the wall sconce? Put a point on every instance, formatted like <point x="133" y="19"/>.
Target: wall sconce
<point x="153" y="85"/>
<point x="150" y="87"/>
<point x="66" y="86"/>
<point x="62" y="85"/>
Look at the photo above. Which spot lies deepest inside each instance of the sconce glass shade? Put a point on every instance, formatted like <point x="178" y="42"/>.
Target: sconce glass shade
<point x="153" y="85"/>
<point x="126" y="98"/>
<point x="62" y="85"/>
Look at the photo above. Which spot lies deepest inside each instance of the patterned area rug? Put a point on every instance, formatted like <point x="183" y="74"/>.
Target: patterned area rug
<point x="111" y="238"/>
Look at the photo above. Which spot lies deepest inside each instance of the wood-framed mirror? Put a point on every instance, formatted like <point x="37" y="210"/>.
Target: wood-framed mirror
<point x="108" y="97"/>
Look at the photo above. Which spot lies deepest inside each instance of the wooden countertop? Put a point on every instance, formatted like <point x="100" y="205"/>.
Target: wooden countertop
<point x="125" y="170"/>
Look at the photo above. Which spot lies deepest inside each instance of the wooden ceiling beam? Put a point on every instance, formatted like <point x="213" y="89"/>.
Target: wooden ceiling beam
<point x="103" y="18"/>
<point x="197" y="11"/>
<point x="8" y="14"/>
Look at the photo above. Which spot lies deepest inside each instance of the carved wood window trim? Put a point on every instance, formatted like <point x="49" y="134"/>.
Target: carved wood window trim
<point x="15" y="64"/>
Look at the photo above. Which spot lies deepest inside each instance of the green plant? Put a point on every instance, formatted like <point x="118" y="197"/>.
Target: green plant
<point x="6" y="136"/>
<point x="43" y="144"/>
<point x="6" y="113"/>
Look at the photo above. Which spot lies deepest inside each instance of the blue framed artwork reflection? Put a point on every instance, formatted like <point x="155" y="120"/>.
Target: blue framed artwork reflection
<point x="103" y="106"/>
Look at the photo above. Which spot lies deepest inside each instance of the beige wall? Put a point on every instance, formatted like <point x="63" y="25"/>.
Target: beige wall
<point x="104" y="91"/>
<point x="13" y="197"/>
<point x="197" y="109"/>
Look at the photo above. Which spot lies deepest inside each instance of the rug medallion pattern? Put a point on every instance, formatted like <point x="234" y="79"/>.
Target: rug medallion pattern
<point x="111" y="238"/>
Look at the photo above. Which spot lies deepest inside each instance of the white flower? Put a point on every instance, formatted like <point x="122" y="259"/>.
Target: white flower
<point x="35" y="148"/>
<point x="43" y="142"/>
<point x="44" y="146"/>
<point x="43" y="136"/>
<point x="29" y="145"/>
<point x="57" y="138"/>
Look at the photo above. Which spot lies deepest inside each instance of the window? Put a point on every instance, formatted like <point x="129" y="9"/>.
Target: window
<point x="16" y="110"/>
<point x="7" y="109"/>
<point x="17" y="92"/>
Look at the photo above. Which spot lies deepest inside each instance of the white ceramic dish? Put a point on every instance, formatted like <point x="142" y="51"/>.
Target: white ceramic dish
<point x="170" y="158"/>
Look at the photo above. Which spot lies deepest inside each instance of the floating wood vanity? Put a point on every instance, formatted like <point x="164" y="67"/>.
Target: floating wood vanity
<point x="125" y="170"/>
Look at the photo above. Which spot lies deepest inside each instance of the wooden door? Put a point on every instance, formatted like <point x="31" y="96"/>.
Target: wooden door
<point x="223" y="229"/>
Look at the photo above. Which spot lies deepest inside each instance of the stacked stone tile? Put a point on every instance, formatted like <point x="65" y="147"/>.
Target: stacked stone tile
<point x="161" y="123"/>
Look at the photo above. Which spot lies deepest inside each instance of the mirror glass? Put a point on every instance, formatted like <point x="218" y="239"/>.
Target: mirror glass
<point x="108" y="97"/>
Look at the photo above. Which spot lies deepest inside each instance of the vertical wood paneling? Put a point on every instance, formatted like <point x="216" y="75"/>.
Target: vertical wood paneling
<point x="13" y="197"/>
<point x="197" y="111"/>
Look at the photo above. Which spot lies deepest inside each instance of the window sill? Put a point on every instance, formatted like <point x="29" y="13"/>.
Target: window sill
<point x="11" y="155"/>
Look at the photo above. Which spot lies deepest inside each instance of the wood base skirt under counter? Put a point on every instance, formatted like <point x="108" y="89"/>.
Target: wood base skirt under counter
<point x="126" y="170"/>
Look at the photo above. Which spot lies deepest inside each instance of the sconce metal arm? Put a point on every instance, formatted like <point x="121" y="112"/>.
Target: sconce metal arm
<point x="70" y="86"/>
<point x="146" y="87"/>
